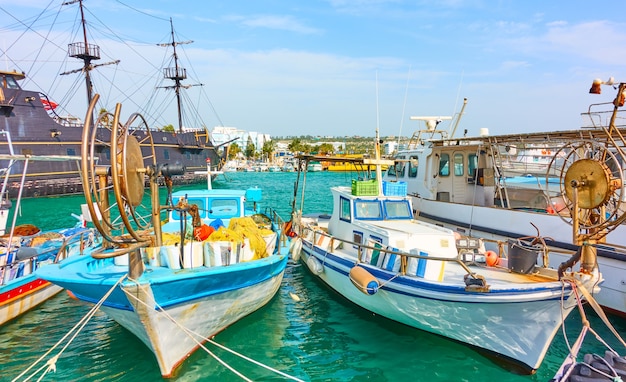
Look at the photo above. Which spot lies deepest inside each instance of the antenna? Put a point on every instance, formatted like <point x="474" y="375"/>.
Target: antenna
<point x="431" y="122"/>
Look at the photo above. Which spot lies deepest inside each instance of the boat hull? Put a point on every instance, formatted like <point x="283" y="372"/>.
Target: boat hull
<point x="23" y="294"/>
<point x="201" y="300"/>
<point x="500" y="224"/>
<point x="516" y="326"/>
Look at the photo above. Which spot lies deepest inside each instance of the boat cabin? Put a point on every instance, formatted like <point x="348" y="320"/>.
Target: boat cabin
<point x="213" y="205"/>
<point x="467" y="172"/>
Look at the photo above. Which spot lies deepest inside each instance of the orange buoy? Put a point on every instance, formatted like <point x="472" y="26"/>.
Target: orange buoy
<point x="363" y="280"/>
<point x="492" y="258"/>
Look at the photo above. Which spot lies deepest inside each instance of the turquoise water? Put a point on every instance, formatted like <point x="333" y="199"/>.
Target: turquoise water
<point x="322" y="337"/>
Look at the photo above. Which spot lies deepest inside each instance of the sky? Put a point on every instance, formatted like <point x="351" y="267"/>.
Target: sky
<point x="331" y="67"/>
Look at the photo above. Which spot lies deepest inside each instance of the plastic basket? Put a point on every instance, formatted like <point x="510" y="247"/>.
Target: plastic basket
<point x="394" y="188"/>
<point x="365" y="187"/>
<point x="522" y="256"/>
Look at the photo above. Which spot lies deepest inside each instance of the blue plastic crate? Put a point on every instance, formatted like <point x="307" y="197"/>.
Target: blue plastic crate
<point x="394" y="188"/>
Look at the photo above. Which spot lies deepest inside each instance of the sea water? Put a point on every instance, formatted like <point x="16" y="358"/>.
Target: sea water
<point x="318" y="336"/>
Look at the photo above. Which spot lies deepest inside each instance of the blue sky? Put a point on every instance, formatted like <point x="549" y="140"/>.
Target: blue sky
<point x="338" y="67"/>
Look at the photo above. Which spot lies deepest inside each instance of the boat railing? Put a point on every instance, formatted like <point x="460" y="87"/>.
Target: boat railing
<point x="84" y="239"/>
<point x="276" y="219"/>
<point x="323" y="239"/>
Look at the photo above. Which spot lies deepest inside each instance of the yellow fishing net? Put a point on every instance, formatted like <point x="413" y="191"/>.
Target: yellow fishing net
<point x="240" y="228"/>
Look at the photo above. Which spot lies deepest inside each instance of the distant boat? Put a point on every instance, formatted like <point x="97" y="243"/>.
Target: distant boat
<point x="314" y="167"/>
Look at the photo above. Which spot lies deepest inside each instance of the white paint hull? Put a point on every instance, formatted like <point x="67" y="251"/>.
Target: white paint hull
<point x="207" y="316"/>
<point x="487" y="220"/>
<point x="517" y="325"/>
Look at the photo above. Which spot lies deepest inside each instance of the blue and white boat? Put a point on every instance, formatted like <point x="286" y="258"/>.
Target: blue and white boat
<point x="372" y="251"/>
<point x="174" y="285"/>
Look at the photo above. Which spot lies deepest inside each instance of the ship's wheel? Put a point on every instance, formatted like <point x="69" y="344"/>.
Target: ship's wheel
<point x="124" y="219"/>
<point x="591" y="180"/>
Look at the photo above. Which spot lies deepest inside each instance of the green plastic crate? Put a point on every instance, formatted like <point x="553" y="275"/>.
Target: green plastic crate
<point x="365" y="187"/>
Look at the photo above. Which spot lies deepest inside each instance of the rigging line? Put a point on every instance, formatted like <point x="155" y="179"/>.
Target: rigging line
<point x="80" y="325"/>
<point x="406" y="93"/>
<point x="189" y="332"/>
<point x="142" y="12"/>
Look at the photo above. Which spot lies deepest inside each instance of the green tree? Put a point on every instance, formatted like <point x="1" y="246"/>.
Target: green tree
<point x="169" y="128"/>
<point x="295" y="145"/>
<point x="325" y="149"/>
<point x="268" y="149"/>
<point x="250" y="149"/>
<point x="233" y="150"/>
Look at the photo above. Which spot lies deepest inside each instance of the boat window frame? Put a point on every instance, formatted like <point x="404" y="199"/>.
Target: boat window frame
<point x="444" y="165"/>
<point x="413" y="168"/>
<point x="459" y="167"/>
<point x="357" y="237"/>
<point x="397" y="202"/>
<point x="366" y="214"/>
<point x="345" y="210"/>
<point x="397" y="169"/>
<point x="209" y="210"/>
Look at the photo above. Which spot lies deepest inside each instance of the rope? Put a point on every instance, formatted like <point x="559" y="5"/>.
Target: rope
<point x="50" y="365"/>
<point x="191" y="335"/>
<point x="562" y="374"/>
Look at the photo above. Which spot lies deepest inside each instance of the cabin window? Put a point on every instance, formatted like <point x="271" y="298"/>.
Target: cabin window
<point x="344" y="205"/>
<point x="223" y="208"/>
<point x="397" y="169"/>
<point x="166" y="154"/>
<point x="458" y="165"/>
<point x="10" y="83"/>
<point x="367" y="209"/>
<point x="71" y="152"/>
<point x="107" y="153"/>
<point x="444" y="165"/>
<point x="188" y="155"/>
<point x="472" y="165"/>
<point x="397" y="209"/>
<point x="201" y="206"/>
<point x="413" y="167"/>
<point x="357" y="237"/>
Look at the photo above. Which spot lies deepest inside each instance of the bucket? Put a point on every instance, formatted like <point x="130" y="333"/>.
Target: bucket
<point x="522" y="256"/>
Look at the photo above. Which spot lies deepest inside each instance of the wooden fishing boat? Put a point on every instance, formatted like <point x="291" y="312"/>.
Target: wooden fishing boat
<point x="173" y="285"/>
<point x="373" y="251"/>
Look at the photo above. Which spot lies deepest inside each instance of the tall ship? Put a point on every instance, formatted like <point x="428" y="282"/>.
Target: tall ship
<point x="34" y="126"/>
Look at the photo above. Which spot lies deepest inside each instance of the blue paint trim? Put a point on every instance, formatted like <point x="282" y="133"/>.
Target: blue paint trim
<point x="329" y="261"/>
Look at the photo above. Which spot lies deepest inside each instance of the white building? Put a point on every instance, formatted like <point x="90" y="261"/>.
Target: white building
<point x="223" y="134"/>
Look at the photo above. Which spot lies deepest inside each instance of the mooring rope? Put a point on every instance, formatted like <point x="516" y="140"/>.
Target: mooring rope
<point x="563" y="373"/>
<point x="50" y="365"/>
<point x="191" y="335"/>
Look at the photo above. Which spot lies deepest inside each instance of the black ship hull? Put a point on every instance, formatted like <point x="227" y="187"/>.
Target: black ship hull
<point x="31" y="130"/>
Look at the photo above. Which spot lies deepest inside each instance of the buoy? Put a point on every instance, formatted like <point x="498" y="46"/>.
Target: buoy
<point x="492" y="258"/>
<point x="363" y="280"/>
<point x="294" y="296"/>
<point x="295" y="249"/>
<point x="314" y="265"/>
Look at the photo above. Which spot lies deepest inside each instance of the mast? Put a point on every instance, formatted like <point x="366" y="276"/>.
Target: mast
<point x="176" y="74"/>
<point x="86" y="52"/>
